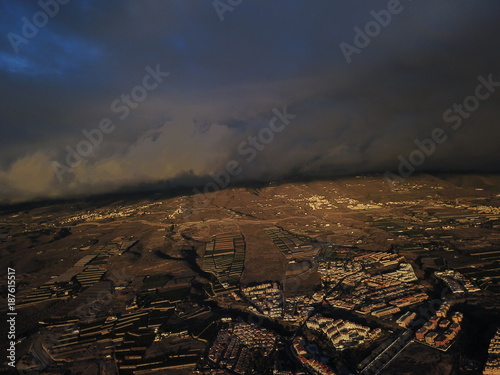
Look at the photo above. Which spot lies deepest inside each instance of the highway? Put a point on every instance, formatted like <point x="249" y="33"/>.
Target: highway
<point x="383" y="358"/>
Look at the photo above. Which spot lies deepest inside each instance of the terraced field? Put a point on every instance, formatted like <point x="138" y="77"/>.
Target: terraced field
<point x="224" y="258"/>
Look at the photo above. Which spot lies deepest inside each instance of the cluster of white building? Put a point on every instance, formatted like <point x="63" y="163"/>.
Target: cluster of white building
<point x="307" y="360"/>
<point x="382" y="294"/>
<point x="233" y="347"/>
<point x="297" y="309"/>
<point x="254" y="337"/>
<point x="315" y="202"/>
<point x="493" y="364"/>
<point x="334" y="271"/>
<point x="267" y="298"/>
<point x="457" y="282"/>
<point x="342" y="334"/>
<point x="405" y="273"/>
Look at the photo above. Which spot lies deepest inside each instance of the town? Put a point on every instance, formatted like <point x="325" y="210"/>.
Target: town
<point x="261" y="291"/>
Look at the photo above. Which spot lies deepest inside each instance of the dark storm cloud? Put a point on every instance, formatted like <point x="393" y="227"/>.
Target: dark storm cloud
<point x="225" y="80"/>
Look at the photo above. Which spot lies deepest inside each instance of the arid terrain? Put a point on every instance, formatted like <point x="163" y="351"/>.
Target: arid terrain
<point x="144" y="247"/>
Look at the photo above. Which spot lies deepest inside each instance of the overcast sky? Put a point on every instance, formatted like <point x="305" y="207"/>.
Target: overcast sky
<point x="229" y="72"/>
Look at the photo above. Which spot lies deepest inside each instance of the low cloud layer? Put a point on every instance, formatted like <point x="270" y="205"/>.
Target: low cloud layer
<point x="227" y="80"/>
